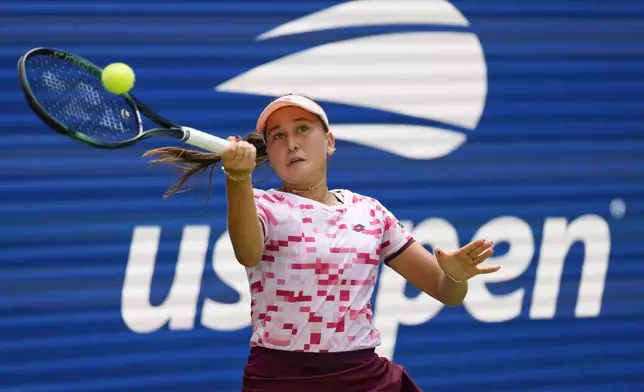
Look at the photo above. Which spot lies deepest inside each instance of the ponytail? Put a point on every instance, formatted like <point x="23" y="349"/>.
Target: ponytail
<point x="191" y="162"/>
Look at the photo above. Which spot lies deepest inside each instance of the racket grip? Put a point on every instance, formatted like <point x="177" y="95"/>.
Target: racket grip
<point x="204" y="140"/>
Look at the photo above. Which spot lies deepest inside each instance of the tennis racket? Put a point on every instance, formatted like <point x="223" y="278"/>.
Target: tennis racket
<point x="66" y="92"/>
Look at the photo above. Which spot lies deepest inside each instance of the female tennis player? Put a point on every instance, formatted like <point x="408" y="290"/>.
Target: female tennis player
<point x="312" y="255"/>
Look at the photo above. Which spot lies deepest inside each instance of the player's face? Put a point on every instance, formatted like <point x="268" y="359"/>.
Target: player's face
<point x="298" y="145"/>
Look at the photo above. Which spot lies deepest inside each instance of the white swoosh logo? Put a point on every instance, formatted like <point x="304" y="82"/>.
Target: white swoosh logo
<point x="373" y="13"/>
<point x="437" y="76"/>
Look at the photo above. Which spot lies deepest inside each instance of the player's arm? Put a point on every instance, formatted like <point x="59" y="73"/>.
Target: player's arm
<point x="244" y="227"/>
<point x="416" y="264"/>
<point x="419" y="267"/>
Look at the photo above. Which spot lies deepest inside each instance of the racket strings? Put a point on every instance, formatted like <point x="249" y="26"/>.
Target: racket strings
<point x="77" y="99"/>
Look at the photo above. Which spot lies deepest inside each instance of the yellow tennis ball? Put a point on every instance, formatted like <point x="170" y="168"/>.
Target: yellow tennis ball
<point x="118" y="78"/>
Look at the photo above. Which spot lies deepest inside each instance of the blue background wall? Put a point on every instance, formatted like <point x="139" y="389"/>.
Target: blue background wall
<point x="562" y="135"/>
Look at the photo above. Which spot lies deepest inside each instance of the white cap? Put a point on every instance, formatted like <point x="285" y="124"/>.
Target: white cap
<point x="290" y="100"/>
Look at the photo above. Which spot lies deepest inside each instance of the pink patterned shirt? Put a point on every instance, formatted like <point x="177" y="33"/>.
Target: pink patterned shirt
<point x="312" y="289"/>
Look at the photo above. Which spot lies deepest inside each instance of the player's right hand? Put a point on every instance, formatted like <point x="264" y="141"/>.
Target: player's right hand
<point x="239" y="158"/>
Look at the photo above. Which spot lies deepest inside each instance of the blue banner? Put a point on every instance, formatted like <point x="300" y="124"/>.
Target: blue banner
<point x="516" y="121"/>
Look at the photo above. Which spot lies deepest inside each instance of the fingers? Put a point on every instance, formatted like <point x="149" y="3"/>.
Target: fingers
<point x="246" y="152"/>
<point x="467" y="249"/>
<point x="477" y="251"/>
<point x="231" y="150"/>
<point x="252" y="156"/>
<point x="482" y="257"/>
<point x="241" y="151"/>
<point x="240" y="156"/>
<point x="489" y="270"/>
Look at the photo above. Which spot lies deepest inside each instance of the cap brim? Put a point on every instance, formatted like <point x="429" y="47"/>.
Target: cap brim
<point x="290" y="100"/>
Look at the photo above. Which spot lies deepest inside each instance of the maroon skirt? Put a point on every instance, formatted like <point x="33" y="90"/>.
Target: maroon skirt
<point x="270" y="370"/>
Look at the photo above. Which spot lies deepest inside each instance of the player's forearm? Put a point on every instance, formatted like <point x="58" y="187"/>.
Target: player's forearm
<point x="244" y="227"/>
<point x="452" y="293"/>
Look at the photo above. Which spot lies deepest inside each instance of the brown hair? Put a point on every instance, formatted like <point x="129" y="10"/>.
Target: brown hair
<point x="191" y="162"/>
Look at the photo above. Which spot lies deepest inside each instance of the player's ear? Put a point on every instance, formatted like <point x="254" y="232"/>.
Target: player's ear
<point x="330" y="143"/>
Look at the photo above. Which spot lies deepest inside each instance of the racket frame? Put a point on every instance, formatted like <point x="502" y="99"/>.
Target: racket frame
<point x="167" y="128"/>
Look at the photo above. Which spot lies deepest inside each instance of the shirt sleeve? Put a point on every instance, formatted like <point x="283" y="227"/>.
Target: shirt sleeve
<point x="395" y="238"/>
<point x="265" y="205"/>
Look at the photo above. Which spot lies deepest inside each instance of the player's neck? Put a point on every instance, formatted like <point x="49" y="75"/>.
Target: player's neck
<point x="318" y="191"/>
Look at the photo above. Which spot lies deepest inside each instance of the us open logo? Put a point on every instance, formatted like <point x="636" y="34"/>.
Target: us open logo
<point x="437" y="79"/>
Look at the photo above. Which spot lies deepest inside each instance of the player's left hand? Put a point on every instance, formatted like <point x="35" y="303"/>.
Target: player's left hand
<point x="463" y="263"/>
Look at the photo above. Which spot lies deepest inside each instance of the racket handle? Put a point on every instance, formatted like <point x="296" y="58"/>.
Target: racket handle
<point x="204" y="140"/>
